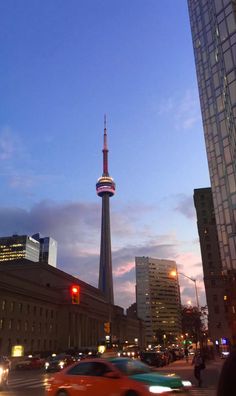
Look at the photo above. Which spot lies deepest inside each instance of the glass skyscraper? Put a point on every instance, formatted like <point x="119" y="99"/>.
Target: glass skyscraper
<point x="16" y="247"/>
<point x="213" y="26"/>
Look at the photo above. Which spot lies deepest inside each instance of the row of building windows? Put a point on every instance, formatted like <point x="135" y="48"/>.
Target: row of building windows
<point x="25" y="308"/>
<point x="13" y="324"/>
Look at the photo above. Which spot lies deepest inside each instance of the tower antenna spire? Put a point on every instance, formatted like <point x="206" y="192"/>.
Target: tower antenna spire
<point x="105" y="149"/>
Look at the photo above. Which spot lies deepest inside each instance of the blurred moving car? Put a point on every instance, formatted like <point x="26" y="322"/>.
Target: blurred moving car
<point x="58" y="362"/>
<point x="153" y="358"/>
<point x="130" y="351"/>
<point x="4" y="371"/>
<point x="114" y="376"/>
<point x="30" y="363"/>
<point x="224" y="354"/>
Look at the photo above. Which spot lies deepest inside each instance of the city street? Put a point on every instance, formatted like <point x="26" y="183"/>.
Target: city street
<point x="33" y="382"/>
<point x="26" y="383"/>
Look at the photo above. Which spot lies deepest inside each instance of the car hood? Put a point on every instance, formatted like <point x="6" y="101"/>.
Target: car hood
<point x="170" y="380"/>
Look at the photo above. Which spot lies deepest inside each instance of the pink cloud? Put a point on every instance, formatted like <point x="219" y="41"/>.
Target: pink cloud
<point x="123" y="269"/>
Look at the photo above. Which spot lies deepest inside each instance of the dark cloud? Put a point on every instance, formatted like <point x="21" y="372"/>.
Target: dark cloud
<point x="76" y="227"/>
<point x="186" y="207"/>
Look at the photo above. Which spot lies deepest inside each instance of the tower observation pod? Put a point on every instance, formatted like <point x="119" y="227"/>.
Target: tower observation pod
<point x="105" y="188"/>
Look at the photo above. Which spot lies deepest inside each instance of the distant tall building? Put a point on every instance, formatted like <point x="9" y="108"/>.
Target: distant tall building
<point x="48" y="249"/>
<point x="105" y="189"/>
<point x="213" y="25"/>
<point x="34" y="248"/>
<point x="158" y="298"/>
<point x="212" y="267"/>
<point x="17" y="247"/>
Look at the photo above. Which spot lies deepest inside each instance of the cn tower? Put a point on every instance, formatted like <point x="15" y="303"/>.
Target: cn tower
<point x="105" y="188"/>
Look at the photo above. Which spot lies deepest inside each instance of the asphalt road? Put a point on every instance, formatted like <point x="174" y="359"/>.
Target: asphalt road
<point x="28" y="383"/>
<point x="32" y="383"/>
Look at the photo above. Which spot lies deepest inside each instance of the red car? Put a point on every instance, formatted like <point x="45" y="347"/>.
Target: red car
<point x="30" y="364"/>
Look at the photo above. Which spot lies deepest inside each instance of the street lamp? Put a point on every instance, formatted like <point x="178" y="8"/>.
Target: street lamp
<point x="174" y="273"/>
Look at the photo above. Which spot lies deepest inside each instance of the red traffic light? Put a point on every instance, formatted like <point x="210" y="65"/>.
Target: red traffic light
<point x="75" y="294"/>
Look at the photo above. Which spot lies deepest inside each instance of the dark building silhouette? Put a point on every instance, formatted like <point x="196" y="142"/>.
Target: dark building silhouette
<point x="105" y="189"/>
<point x="214" y="280"/>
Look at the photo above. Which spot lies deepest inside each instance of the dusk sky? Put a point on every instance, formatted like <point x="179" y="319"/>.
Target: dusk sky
<point x="63" y="65"/>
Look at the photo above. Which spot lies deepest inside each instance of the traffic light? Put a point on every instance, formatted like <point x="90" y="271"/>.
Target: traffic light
<point x="75" y="294"/>
<point x="107" y="327"/>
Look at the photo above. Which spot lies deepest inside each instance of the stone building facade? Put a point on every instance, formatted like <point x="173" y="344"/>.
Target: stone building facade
<point x="36" y="311"/>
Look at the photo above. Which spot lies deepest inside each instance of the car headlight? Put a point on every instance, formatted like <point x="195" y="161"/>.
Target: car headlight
<point x="186" y="383"/>
<point x="159" y="389"/>
<point x="61" y="364"/>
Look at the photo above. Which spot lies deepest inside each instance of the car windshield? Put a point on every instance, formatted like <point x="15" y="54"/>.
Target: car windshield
<point x="131" y="367"/>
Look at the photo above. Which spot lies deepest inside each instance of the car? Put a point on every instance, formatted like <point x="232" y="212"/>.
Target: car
<point x="224" y="354"/>
<point x="114" y="376"/>
<point x="30" y="363"/>
<point x="58" y="362"/>
<point x="153" y="358"/>
<point x="4" y="371"/>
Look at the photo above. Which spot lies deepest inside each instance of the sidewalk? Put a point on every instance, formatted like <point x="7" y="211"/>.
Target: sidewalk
<point x="210" y="375"/>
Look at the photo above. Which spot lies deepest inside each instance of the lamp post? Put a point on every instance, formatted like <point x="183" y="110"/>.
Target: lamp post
<point x="175" y="274"/>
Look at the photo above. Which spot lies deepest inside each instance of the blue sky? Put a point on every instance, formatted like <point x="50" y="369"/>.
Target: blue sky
<point x="63" y="65"/>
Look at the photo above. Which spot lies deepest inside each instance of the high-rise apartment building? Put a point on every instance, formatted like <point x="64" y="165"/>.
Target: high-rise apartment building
<point x="158" y="298"/>
<point x="212" y="268"/>
<point x="17" y="247"/>
<point x="213" y="25"/>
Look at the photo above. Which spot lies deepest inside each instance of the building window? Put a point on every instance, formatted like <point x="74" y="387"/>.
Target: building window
<point x="3" y="305"/>
<point x="1" y="324"/>
<point x="216" y="309"/>
<point x="20" y="307"/>
<point x="10" y="324"/>
<point x="26" y="325"/>
<point x="18" y="325"/>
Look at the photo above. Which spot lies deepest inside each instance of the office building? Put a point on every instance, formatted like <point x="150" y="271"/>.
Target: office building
<point x="105" y="188"/>
<point x="16" y="247"/>
<point x="34" y="248"/>
<point x="212" y="268"/>
<point x="158" y="299"/>
<point x="213" y="25"/>
<point x="48" y="249"/>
